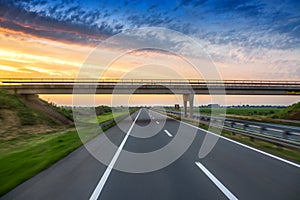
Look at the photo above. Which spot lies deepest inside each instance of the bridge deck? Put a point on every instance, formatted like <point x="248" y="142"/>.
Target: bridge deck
<point x="153" y="86"/>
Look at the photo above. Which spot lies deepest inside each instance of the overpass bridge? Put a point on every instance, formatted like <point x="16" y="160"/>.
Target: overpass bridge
<point x="188" y="88"/>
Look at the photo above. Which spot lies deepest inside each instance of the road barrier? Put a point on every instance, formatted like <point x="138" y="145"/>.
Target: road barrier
<point x="280" y="137"/>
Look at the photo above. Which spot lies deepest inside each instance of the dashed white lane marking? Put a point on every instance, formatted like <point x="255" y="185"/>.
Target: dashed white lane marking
<point x="168" y="133"/>
<point x="106" y="174"/>
<point x="228" y="194"/>
<point x="238" y="143"/>
<point x="157" y="122"/>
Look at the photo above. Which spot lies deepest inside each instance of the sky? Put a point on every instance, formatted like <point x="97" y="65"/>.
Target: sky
<point x="246" y="40"/>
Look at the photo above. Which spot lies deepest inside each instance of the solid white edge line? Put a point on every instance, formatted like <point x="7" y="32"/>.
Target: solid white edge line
<point x="106" y="174"/>
<point x="227" y="193"/>
<point x="168" y="133"/>
<point x="238" y="143"/>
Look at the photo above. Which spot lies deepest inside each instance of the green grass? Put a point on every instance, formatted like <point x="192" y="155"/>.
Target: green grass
<point x="27" y="140"/>
<point x="252" y="111"/>
<point x="66" y="111"/>
<point x="9" y="101"/>
<point x="22" y="158"/>
<point x="243" y="111"/>
<point x="109" y="116"/>
<point x="291" y="112"/>
<point x="19" y="166"/>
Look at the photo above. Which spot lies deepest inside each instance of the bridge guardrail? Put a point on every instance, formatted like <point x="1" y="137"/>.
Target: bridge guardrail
<point x="149" y="81"/>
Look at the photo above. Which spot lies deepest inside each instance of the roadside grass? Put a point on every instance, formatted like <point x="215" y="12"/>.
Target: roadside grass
<point x="21" y="143"/>
<point x="243" y="111"/>
<point x="268" y="114"/>
<point x="252" y="111"/>
<point x="108" y="116"/>
<point x="21" y="165"/>
<point x="267" y="120"/>
<point x="284" y="152"/>
<point x="291" y="112"/>
<point x="21" y="159"/>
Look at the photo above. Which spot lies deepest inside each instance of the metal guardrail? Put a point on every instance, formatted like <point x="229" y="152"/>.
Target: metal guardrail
<point x="281" y="138"/>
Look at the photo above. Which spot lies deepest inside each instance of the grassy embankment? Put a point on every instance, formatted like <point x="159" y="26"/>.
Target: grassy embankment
<point x="24" y="155"/>
<point x="292" y="112"/>
<point x="239" y="111"/>
<point x="285" y="116"/>
<point x="245" y="111"/>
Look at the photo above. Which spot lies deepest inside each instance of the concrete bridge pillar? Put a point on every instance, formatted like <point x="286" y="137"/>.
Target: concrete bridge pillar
<point x="188" y="98"/>
<point x="30" y="97"/>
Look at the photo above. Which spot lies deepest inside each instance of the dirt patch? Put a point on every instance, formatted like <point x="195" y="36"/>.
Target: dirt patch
<point x="11" y="126"/>
<point x="295" y="116"/>
<point x="8" y="119"/>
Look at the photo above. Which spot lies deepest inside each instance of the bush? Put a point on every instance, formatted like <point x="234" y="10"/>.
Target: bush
<point x="26" y="117"/>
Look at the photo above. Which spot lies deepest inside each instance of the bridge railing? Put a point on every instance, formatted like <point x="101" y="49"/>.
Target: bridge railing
<point x="26" y="81"/>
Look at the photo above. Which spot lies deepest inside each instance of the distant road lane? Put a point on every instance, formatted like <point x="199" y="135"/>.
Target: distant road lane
<point x="230" y="171"/>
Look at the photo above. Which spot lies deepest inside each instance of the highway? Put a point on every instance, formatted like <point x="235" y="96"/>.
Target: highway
<point x="230" y="171"/>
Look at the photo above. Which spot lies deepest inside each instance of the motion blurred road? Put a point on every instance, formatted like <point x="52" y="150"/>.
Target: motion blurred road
<point x="230" y="171"/>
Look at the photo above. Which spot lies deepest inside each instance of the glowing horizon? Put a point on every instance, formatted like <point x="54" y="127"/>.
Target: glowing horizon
<point x="37" y="43"/>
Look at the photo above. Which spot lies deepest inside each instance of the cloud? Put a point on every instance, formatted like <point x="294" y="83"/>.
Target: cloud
<point x="32" y="69"/>
<point x="232" y="21"/>
<point x="15" y="56"/>
<point x="32" y="23"/>
<point x="235" y="30"/>
<point x="8" y="68"/>
<point x="191" y="3"/>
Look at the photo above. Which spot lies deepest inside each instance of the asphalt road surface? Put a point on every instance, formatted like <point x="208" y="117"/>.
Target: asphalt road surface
<point x="230" y="171"/>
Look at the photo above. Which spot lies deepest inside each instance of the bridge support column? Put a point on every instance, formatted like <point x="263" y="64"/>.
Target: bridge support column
<point x="30" y="96"/>
<point x="191" y="105"/>
<point x="184" y="107"/>
<point x="188" y="98"/>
